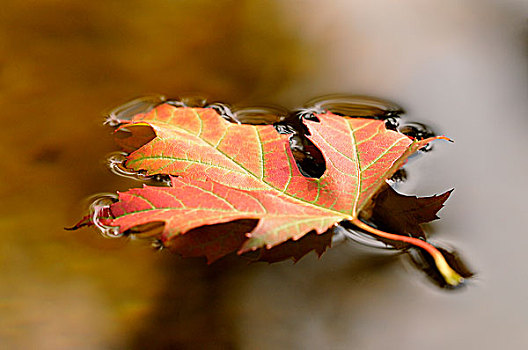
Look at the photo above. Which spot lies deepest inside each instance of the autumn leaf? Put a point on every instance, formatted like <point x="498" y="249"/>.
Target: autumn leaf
<point x="237" y="187"/>
<point x="229" y="171"/>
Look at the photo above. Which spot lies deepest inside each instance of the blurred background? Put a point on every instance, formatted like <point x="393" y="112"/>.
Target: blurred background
<point x="457" y="66"/>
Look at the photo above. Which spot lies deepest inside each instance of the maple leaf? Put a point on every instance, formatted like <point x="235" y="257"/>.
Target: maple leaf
<point x="229" y="171"/>
<point x="236" y="187"/>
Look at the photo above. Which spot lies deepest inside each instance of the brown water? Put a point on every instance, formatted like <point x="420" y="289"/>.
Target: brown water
<point x="458" y="66"/>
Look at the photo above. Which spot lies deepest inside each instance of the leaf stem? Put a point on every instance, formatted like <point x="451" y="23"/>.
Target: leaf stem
<point x="450" y="276"/>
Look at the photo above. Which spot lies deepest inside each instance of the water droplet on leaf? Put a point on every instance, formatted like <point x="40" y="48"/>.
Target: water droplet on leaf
<point x="116" y="163"/>
<point x="100" y="212"/>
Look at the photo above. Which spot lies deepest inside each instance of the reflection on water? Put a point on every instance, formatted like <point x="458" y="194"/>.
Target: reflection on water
<point x="127" y="110"/>
<point x="458" y="66"/>
<point x="355" y="106"/>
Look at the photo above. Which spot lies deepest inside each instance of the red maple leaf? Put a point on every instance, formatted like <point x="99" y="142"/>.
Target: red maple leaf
<point x="236" y="187"/>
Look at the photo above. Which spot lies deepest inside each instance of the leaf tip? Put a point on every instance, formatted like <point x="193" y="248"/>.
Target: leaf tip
<point x="85" y="221"/>
<point x="445" y="267"/>
<point x="443" y="137"/>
